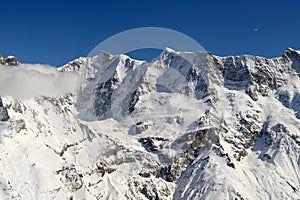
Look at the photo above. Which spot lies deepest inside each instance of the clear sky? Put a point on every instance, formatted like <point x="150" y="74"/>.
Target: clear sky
<point x="55" y="32"/>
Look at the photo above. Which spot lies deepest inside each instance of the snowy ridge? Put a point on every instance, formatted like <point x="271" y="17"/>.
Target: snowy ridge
<point x="188" y="125"/>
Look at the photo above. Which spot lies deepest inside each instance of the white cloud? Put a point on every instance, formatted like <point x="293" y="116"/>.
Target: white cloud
<point x="32" y="80"/>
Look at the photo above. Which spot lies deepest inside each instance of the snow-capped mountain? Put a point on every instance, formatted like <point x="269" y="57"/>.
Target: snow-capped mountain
<point x="187" y="125"/>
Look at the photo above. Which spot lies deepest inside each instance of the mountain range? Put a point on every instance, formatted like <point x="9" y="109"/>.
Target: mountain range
<point x="187" y="125"/>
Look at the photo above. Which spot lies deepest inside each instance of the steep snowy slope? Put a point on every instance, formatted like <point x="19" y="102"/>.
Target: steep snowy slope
<point x="184" y="126"/>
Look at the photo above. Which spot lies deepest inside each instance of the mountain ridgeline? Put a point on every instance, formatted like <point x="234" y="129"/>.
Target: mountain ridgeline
<point x="187" y="125"/>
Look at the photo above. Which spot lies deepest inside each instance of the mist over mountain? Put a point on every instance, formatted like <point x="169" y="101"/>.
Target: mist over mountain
<point x="186" y="125"/>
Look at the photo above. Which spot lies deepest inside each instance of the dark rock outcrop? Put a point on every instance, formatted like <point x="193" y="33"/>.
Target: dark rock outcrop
<point x="71" y="178"/>
<point x="10" y="60"/>
<point x="3" y="112"/>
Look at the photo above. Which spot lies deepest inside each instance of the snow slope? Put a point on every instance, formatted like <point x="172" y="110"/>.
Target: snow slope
<point x="188" y="125"/>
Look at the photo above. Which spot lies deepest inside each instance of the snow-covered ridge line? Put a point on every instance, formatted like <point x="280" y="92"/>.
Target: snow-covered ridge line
<point x="187" y="125"/>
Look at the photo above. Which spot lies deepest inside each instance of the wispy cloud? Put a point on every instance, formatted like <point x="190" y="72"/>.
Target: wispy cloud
<point x="32" y="80"/>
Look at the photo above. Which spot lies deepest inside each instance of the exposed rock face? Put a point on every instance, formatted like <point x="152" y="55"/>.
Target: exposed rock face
<point x="139" y="127"/>
<point x="3" y="112"/>
<point x="184" y="126"/>
<point x="9" y="61"/>
<point x="257" y="74"/>
<point x="70" y="177"/>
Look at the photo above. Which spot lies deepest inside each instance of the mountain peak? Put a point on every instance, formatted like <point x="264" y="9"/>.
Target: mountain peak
<point x="158" y="127"/>
<point x="290" y="51"/>
<point x="169" y="50"/>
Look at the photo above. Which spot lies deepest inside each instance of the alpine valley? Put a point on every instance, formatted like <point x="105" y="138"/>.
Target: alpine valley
<point x="187" y="125"/>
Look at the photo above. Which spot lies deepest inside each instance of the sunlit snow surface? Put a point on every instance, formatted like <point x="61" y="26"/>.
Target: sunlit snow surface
<point x="76" y="146"/>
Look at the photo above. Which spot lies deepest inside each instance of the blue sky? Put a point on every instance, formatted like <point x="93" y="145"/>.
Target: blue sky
<point x="55" y="32"/>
